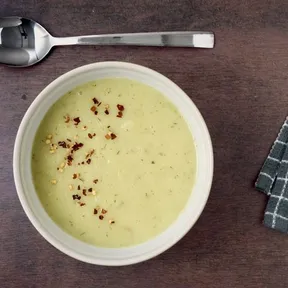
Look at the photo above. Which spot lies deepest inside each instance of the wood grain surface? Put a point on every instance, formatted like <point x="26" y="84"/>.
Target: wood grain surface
<point x="241" y="89"/>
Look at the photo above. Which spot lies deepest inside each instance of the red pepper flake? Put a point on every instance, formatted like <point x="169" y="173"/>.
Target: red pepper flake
<point x="96" y="112"/>
<point x="120" y="107"/>
<point x="90" y="190"/>
<point x="62" y="144"/>
<point x="113" y="136"/>
<point x="76" y="197"/>
<point x="90" y="135"/>
<point x="95" y="211"/>
<point x="94" y="134"/>
<point x="120" y="114"/>
<point x="77" y="121"/>
<point x="99" y="104"/>
<point x="82" y="162"/>
<point x="95" y="101"/>
<point x="76" y="146"/>
<point x="69" y="140"/>
<point x="95" y="181"/>
<point x="82" y="204"/>
<point x="101" y="217"/>
<point x="103" y="211"/>
<point x="78" y="187"/>
<point x="106" y="112"/>
<point x="93" y="108"/>
<point x="74" y="176"/>
<point x="70" y="159"/>
<point x="107" y="136"/>
<point x="88" y="161"/>
<point x="111" y="221"/>
<point x="84" y="192"/>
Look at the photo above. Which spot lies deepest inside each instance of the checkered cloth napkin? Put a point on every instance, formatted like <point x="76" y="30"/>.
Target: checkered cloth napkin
<point x="273" y="181"/>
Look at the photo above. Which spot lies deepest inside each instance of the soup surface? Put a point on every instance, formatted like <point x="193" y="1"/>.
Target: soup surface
<point x="113" y="162"/>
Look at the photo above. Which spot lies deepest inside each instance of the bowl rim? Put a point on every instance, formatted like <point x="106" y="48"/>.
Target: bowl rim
<point x="17" y="151"/>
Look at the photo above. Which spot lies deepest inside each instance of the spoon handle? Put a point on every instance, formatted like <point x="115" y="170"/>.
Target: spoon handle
<point x="168" y="39"/>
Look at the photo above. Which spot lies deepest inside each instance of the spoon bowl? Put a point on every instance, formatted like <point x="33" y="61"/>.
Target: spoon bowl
<point x="24" y="42"/>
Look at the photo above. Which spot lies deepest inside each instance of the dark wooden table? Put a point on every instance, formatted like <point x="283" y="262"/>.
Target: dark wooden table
<point x="240" y="87"/>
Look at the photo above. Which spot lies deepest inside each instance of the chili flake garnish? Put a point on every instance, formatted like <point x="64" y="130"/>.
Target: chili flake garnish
<point x="88" y="161"/>
<point x="62" y="144"/>
<point x="113" y="136"/>
<point x="82" y="204"/>
<point x="90" y="135"/>
<point x="90" y="153"/>
<point x="101" y="217"/>
<point x="75" y="176"/>
<point x="77" y="121"/>
<point x="103" y="211"/>
<point x="69" y="140"/>
<point x="111" y="221"/>
<point x="107" y="136"/>
<point x="120" y="107"/>
<point x="95" y="181"/>
<point x="106" y="112"/>
<point x="76" y="197"/>
<point x="84" y="192"/>
<point x="78" y="187"/>
<point x="90" y="190"/>
<point x="76" y="146"/>
<point x="96" y="112"/>
<point x="70" y="159"/>
<point x="93" y="108"/>
<point x="95" y="101"/>
<point x="120" y="114"/>
<point x="95" y="211"/>
<point x="99" y="104"/>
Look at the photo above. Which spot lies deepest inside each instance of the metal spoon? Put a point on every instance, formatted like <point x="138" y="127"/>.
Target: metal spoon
<point x="24" y="42"/>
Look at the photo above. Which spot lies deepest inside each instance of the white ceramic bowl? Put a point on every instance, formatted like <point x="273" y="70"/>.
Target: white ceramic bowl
<point x="29" y="199"/>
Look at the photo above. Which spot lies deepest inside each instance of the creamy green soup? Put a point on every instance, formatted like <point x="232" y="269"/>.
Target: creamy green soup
<point x="113" y="162"/>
